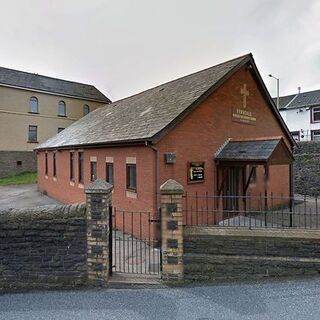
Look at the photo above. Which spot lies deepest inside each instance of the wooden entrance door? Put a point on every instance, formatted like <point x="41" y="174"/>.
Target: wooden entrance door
<point x="231" y="189"/>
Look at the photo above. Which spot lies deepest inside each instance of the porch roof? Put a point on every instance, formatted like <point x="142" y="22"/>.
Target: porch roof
<point x="273" y="151"/>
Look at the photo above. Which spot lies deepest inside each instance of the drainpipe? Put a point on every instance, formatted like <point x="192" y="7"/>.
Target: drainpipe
<point x="157" y="173"/>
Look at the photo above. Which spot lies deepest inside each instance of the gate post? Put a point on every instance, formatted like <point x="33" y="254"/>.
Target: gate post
<point x="99" y="201"/>
<point x="172" y="230"/>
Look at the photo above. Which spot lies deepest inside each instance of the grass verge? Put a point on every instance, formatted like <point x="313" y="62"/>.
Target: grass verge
<point x="21" y="178"/>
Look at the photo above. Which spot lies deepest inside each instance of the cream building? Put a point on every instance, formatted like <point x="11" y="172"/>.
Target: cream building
<point x="34" y="108"/>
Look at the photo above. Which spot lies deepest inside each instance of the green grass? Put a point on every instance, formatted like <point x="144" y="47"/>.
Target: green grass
<point x="21" y="178"/>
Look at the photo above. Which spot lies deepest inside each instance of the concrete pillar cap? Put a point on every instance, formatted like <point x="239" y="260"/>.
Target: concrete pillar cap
<point x="99" y="186"/>
<point x="171" y="187"/>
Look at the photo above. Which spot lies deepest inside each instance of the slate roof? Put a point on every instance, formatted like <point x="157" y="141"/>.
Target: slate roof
<point x="303" y="99"/>
<point x="259" y="150"/>
<point x="34" y="81"/>
<point x="148" y="115"/>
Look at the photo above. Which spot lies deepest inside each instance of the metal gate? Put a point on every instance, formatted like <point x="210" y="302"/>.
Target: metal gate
<point x="135" y="242"/>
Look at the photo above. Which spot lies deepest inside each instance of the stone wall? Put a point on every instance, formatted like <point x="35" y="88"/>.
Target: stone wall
<point x="43" y="247"/>
<point x="307" y="168"/>
<point x="217" y="253"/>
<point x="14" y="162"/>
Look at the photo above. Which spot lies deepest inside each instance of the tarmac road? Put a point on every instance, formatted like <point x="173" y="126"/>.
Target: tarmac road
<point x="273" y="300"/>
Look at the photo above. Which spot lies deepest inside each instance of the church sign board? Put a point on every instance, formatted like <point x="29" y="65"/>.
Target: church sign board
<point x="196" y="172"/>
<point x="243" y="114"/>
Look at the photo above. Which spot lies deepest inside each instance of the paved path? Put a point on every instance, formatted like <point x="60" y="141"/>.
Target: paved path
<point x="23" y="196"/>
<point x="282" y="300"/>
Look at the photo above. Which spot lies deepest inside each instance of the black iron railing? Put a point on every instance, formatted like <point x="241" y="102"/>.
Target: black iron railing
<point x="135" y="242"/>
<point x="251" y="211"/>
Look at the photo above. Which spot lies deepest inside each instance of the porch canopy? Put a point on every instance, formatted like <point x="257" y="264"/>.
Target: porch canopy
<point x="253" y="152"/>
<point x="265" y="152"/>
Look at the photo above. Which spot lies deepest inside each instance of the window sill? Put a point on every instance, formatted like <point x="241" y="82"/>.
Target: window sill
<point x="62" y="115"/>
<point x="131" y="194"/>
<point x="46" y="177"/>
<point x="54" y="179"/>
<point x="32" y="141"/>
<point x="72" y="184"/>
<point x="81" y="186"/>
<point x="33" y="112"/>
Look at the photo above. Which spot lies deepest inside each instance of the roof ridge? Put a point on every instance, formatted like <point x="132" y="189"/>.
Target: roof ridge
<point x="41" y="75"/>
<point x="188" y="75"/>
<point x="301" y="93"/>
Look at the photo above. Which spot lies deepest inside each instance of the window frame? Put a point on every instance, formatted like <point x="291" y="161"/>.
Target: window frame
<point x="62" y="103"/>
<point x="54" y="164"/>
<point x="87" y="108"/>
<point x="81" y="167"/>
<point x="109" y="164"/>
<point x="33" y="98"/>
<point x="72" y="166"/>
<point x="128" y="177"/>
<point x="93" y="171"/>
<point x="36" y="134"/>
<point x="295" y="133"/>
<point x="46" y="167"/>
<point x="313" y="133"/>
<point x="312" y="110"/>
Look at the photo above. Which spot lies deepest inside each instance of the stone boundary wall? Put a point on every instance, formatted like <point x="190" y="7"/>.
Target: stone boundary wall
<point x="14" y="162"/>
<point x="43" y="247"/>
<point x="215" y="253"/>
<point x="307" y="168"/>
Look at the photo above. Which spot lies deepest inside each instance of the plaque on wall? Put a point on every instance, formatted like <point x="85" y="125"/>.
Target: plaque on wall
<point x="196" y="172"/>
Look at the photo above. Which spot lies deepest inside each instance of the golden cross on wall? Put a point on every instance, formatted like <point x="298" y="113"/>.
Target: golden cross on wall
<point x="245" y="94"/>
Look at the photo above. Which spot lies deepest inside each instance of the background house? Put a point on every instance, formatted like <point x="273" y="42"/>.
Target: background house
<point x="34" y="108"/>
<point x="301" y="113"/>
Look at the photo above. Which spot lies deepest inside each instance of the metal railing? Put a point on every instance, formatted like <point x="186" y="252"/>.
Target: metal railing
<point x="251" y="211"/>
<point x="135" y="245"/>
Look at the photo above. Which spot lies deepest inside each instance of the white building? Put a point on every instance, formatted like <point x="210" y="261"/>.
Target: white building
<point x="301" y="113"/>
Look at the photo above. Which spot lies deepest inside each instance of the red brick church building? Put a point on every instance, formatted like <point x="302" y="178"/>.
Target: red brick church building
<point x="215" y="131"/>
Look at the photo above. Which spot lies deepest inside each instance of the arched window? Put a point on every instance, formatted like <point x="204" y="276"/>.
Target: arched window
<point x="33" y="105"/>
<point x="86" y="109"/>
<point x="62" y="109"/>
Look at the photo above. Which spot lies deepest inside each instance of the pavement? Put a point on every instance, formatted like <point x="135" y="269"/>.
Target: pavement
<point x="274" y="300"/>
<point x="23" y="196"/>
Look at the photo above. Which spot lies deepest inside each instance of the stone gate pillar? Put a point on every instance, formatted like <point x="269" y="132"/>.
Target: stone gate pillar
<point x="172" y="230"/>
<point x="99" y="201"/>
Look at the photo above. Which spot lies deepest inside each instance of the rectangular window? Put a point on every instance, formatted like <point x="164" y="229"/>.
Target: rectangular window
<point x="54" y="164"/>
<point x="33" y="136"/>
<point x="296" y="135"/>
<point x="315" y="135"/>
<point x="80" y="167"/>
<point x="72" y="166"/>
<point x="109" y="172"/>
<point x="93" y="170"/>
<point x="131" y="177"/>
<point x="315" y="114"/>
<point x="46" y="164"/>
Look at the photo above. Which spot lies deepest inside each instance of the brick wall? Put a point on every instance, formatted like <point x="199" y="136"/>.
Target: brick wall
<point x="213" y="253"/>
<point x="307" y="168"/>
<point x="66" y="191"/>
<point x="14" y="162"/>
<point x="43" y="247"/>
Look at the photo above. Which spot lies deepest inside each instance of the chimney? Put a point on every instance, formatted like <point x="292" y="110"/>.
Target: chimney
<point x="299" y="90"/>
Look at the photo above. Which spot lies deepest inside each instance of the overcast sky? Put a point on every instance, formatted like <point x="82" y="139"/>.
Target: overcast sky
<point x="126" y="46"/>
